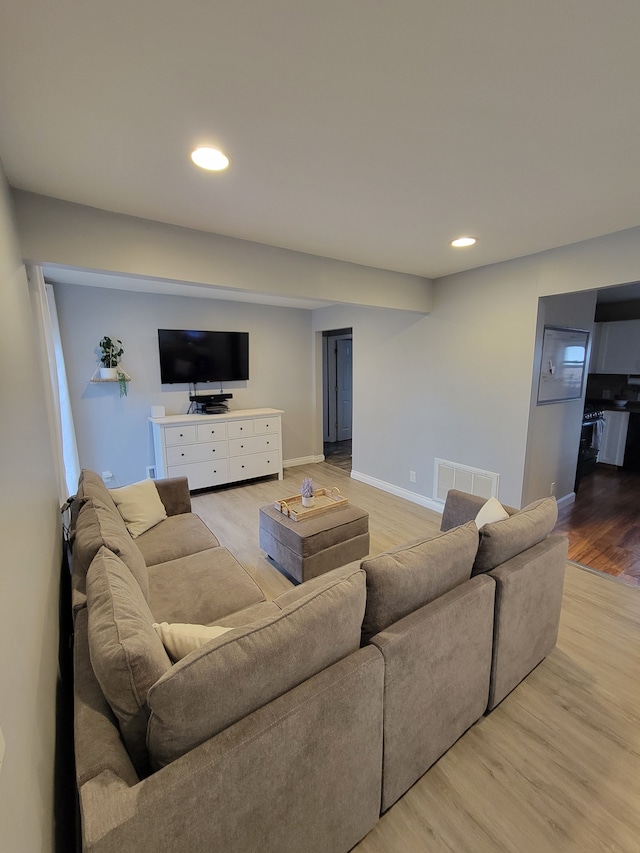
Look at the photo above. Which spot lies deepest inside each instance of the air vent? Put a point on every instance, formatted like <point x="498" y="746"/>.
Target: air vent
<point x="475" y="481"/>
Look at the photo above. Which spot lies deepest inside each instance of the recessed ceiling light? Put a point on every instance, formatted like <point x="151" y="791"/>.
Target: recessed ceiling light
<point x="210" y="158"/>
<point x="461" y="242"/>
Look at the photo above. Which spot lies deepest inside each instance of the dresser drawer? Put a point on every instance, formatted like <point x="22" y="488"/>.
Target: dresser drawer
<point x="212" y="432"/>
<point x="201" y="452"/>
<point x="201" y="475"/>
<point x="238" y="429"/>
<point x="255" y="465"/>
<point x="253" y="444"/>
<point x="261" y="425"/>
<point x="180" y="435"/>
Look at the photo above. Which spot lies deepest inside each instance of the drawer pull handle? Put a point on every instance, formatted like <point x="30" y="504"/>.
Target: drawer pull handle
<point x="182" y="454"/>
<point x="242" y="447"/>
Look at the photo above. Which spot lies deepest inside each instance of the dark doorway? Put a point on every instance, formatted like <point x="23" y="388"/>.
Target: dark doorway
<point x="338" y="396"/>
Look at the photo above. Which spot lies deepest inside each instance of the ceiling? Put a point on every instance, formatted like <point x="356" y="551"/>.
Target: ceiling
<point x="371" y="132"/>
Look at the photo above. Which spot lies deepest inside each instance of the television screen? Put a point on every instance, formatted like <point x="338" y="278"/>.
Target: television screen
<point x="191" y="356"/>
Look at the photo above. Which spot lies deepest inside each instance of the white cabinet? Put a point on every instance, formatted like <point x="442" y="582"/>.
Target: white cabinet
<point x="211" y="450"/>
<point x="614" y="438"/>
<point x="618" y="347"/>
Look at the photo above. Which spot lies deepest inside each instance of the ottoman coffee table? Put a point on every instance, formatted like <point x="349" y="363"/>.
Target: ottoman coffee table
<point x="311" y="546"/>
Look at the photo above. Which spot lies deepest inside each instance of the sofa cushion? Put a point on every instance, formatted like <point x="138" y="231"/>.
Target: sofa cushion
<point x="502" y="540"/>
<point x="182" y="638"/>
<point x="177" y="536"/>
<point x="201" y="587"/>
<point x="139" y="505"/>
<point x="243" y="670"/>
<point x="99" y="524"/>
<point x="127" y="655"/>
<point x="403" y="579"/>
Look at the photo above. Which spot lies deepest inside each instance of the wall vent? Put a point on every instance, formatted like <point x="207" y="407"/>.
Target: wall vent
<point x="475" y="481"/>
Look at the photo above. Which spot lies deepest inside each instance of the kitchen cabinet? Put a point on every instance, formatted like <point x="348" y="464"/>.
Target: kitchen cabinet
<point x="614" y="438"/>
<point x="214" y="449"/>
<point x="616" y="347"/>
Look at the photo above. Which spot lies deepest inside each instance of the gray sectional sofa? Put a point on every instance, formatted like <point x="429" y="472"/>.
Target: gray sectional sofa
<point x="302" y="718"/>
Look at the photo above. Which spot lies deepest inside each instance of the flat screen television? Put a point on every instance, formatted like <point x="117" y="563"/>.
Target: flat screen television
<point x="191" y="356"/>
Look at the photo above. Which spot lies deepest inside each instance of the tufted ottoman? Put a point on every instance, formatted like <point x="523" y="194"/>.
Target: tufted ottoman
<point x="307" y="548"/>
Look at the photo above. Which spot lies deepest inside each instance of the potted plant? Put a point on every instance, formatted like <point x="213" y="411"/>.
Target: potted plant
<point x="111" y="353"/>
<point x="307" y="492"/>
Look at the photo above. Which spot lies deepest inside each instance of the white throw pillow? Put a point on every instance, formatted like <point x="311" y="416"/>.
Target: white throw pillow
<point x="490" y="512"/>
<point x="181" y="638"/>
<point x="139" y="505"/>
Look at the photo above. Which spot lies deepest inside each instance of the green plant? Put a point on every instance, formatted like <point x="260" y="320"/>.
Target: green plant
<point x="122" y="382"/>
<point x="111" y="351"/>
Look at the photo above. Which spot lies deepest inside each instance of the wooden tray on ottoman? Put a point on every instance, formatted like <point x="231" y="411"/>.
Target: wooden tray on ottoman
<point x="325" y="501"/>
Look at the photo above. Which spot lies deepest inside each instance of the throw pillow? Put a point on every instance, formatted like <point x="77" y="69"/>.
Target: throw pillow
<point x="127" y="655"/>
<point x="403" y="579"/>
<point x="139" y="505"/>
<point x="244" y="670"/>
<point x="181" y="638"/>
<point x="502" y="540"/>
<point x="490" y="512"/>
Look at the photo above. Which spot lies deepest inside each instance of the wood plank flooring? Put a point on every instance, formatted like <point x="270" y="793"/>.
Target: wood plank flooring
<point x="555" y="768"/>
<point x="603" y="525"/>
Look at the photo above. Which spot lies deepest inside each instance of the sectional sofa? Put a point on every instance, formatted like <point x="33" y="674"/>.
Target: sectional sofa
<point x="208" y="718"/>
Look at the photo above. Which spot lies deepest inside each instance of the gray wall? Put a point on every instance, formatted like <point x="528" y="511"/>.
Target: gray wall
<point x="554" y="429"/>
<point x="30" y="566"/>
<point x="459" y="384"/>
<point x="113" y="432"/>
<point x="59" y="232"/>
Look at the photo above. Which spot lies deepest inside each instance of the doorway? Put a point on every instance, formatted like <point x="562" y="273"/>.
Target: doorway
<point x="337" y="380"/>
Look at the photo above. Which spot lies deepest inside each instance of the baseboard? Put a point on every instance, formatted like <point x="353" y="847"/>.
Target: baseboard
<point x="566" y="500"/>
<point x="415" y="498"/>
<point x="302" y="460"/>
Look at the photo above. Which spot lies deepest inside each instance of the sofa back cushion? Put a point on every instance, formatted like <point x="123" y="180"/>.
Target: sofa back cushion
<point x="502" y="540"/>
<point x="91" y="485"/>
<point x="249" y="666"/>
<point x="99" y="525"/>
<point x="126" y="653"/>
<point x="403" y="579"/>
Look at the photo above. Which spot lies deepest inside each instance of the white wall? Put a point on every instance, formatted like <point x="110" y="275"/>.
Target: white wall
<point x="113" y="432"/>
<point x="29" y="569"/>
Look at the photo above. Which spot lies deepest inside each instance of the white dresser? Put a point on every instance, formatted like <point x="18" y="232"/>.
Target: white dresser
<point x="211" y="450"/>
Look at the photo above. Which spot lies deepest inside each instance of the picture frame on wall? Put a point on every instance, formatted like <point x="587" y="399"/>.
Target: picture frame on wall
<point x="562" y="369"/>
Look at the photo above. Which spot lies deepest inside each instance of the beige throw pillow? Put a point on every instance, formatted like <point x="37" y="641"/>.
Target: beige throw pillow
<point x="181" y="638"/>
<point x="491" y="511"/>
<point x="139" y="505"/>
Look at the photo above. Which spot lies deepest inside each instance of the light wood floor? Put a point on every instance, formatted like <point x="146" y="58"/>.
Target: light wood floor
<point x="556" y="766"/>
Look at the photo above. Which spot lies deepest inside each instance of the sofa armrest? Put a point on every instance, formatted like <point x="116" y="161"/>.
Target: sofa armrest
<point x="529" y="590"/>
<point x="437" y="663"/>
<point x="174" y="494"/>
<point x="301" y="773"/>
<point x="461" y="507"/>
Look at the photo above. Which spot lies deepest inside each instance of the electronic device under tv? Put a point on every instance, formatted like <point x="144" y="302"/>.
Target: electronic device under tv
<point x="190" y="356"/>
